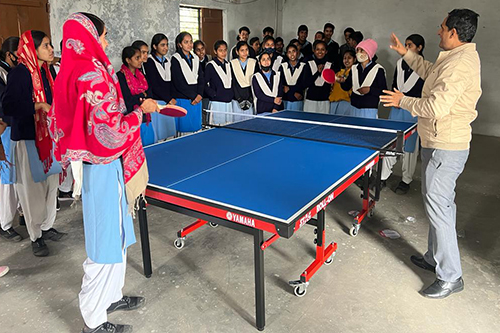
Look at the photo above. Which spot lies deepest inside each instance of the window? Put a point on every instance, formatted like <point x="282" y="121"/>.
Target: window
<point x="190" y="21"/>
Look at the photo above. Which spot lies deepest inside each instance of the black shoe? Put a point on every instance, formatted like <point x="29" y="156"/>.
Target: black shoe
<point x="420" y="262"/>
<point x="402" y="188"/>
<point x="65" y="196"/>
<point x="11" y="234"/>
<point x="22" y="221"/>
<point x="52" y="234"/>
<point x="127" y="303"/>
<point x="58" y="205"/>
<point x="107" y="327"/>
<point x="442" y="289"/>
<point x="39" y="248"/>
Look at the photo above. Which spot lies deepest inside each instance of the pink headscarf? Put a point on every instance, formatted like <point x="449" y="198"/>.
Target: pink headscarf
<point x="370" y="46"/>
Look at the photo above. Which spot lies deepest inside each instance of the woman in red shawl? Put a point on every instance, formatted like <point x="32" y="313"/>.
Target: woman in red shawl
<point x="26" y="101"/>
<point x="93" y="132"/>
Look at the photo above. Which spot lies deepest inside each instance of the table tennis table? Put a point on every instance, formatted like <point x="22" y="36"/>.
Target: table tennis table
<point x="270" y="174"/>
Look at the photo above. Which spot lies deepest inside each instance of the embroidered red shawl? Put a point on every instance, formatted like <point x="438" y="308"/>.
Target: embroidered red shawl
<point x="87" y="118"/>
<point x="27" y="56"/>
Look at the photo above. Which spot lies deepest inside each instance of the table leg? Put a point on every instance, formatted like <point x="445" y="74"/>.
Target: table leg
<point x="379" y="179"/>
<point x="143" y="227"/>
<point x="260" y="305"/>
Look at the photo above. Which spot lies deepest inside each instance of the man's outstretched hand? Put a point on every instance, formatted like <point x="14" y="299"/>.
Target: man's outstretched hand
<point x="391" y="98"/>
<point x="397" y="46"/>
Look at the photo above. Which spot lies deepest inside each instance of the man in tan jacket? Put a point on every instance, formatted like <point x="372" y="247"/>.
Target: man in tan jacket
<point x="445" y="111"/>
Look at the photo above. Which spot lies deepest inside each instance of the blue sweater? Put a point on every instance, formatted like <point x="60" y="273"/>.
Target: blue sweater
<point x="17" y="102"/>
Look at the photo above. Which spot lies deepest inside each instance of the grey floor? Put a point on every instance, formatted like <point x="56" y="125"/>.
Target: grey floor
<point x="208" y="285"/>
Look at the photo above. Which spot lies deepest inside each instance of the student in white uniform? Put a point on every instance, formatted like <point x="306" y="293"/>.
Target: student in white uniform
<point x="243" y="68"/>
<point x="292" y="76"/>
<point x="188" y="83"/>
<point x="268" y="47"/>
<point x="318" y="90"/>
<point x="218" y="87"/>
<point x="159" y="77"/>
<point x="267" y="87"/>
<point x="409" y="83"/>
<point x="367" y="80"/>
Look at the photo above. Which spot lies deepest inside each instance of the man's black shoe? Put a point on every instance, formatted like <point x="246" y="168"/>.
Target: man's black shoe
<point x="442" y="289"/>
<point x="127" y="303"/>
<point x="107" y="327"/>
<point x="420" y="262"/>
<point x="39" y="248"/>
<point x="11" y="235"/>
<point x="52" y="234"/>
<point x="402" y="188"/>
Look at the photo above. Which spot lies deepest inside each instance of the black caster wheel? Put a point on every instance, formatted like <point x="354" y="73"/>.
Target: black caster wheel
<point x="330" y="260"/>
<point x="179" y="243"/>
<point x="300" y="291"/>
<point x="354" y="231"/>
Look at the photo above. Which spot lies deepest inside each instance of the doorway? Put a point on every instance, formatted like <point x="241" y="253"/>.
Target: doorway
<point x="17" y="16"/>
<point x="203" y="23"/>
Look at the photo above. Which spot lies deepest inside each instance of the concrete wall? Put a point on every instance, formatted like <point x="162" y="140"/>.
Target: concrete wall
<point x="128" y="20"/>
<point x="377" y="19"/>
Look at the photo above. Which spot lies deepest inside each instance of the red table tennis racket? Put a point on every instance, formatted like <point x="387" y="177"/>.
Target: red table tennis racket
<point x="328" y="75"/>
<point x="172" y="110"/>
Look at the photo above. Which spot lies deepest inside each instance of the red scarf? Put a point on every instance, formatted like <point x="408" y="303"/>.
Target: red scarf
<point x="27" y="56"/>
<point x="137" y="84"/>
<point x="88" y="118"/>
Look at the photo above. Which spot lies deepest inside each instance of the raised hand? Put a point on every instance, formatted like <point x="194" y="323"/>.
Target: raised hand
<point x="397" y="45"/>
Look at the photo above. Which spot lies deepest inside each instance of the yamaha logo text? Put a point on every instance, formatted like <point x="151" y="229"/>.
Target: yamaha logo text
<point x="245" y="220"/>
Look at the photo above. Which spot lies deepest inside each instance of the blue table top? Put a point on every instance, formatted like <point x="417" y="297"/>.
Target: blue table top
<point x="267" y="175"/>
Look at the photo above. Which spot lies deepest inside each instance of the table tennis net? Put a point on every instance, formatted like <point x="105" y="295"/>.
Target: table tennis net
<point x="330" y="131"/>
